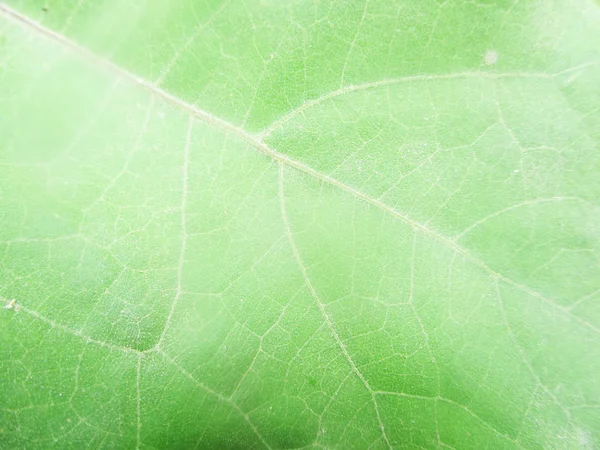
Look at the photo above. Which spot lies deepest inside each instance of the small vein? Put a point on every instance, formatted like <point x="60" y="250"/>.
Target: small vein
<point x="512" y="207"/>
<point x="138" y="402"/>
<point x="17" y="308"/>
<point x="188" y="42"/>
<point x="413" y="307"/>
<point x="438" y="398"/>
<point x="130" y="155"/>
<point x="583" y="299"/>
<point x="183" y="207"/>
<point x="412" y="78"/>
<point x="353" y="42"/>
<point x="321" y="306"/>
<point x="214" y="393"/>
<point x="76" y="379"/>
<point x="523" y="356"/>
<point x="260" y="350"/>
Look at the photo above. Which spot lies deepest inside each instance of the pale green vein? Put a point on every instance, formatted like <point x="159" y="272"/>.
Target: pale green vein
<point x="214" y="393"/>
<point x="413" y="307"/>
<point x="184" y="193"/>
<point x="128" y="160"/>
<point x="457" y="405"/>
<point x="258" y="144"/>
<point x="414" y="78"/>
<point x="12" y="307"/>
<point x="353" y="42"/>
<point x="522" y="204"/>
<point x="321" y="306"/>
<point x="524" y="358"/>
<point x="179" y="52"/>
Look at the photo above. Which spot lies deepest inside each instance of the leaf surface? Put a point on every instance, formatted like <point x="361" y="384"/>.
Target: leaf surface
<point x="267" y="224"/>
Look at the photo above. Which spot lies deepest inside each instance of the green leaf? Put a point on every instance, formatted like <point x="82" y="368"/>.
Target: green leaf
<point x="299" y="224"/>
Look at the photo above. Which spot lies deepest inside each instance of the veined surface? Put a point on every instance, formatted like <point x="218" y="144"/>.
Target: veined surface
<point x="299" y="224"/>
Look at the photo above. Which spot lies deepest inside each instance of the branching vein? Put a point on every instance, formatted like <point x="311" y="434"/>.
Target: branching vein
<point x="321" y="306"/>
<point x="184" y="194"/>
<point x="18" y="308"/>
<point x="214" y="393"/>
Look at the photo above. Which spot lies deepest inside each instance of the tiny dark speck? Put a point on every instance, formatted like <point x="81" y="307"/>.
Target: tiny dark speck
<point x="45" y="9"/>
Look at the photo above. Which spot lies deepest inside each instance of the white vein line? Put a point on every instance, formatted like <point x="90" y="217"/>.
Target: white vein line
<point x="130" y="155"/>
<point x="512" y="207"/>
<point x="523" y="355"/>
<point x="255" y="142"/>
<point x="184" y="194"/>
<point x="585" y="298"/>
<point x="15" y="308"/>
<point x="138" y="401"/>
<point x="321" y="306"/>
<point x="353" y="42"/>
<point x="282" y="159"/>
<point x="526" y="416"/>
<point x="76" y="379"/>
<point x="214" y="393"/>
<point x="205" y="116"/>
<point x="411" y="78"/>
<point x="187" y="43"/>
<point x="458" y="405"/>
<point x="260" y="350"/>
<point x="414" y="308"/>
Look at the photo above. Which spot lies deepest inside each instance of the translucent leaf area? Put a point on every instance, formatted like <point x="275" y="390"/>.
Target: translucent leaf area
<point x="283" y="224"/>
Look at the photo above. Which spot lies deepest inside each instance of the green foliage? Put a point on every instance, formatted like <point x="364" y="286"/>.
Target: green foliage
<point x="299" y="224"/>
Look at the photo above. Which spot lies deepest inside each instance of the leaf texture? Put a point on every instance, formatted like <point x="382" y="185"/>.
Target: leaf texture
<point x="299" y="224"/>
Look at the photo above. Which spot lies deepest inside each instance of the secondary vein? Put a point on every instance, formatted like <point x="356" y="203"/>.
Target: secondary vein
<point x="321" y="306"/>
<point x="183" y="207"/>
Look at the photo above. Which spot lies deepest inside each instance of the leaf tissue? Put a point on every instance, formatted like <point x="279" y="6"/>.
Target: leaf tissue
<point x="289" y="224"/>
